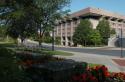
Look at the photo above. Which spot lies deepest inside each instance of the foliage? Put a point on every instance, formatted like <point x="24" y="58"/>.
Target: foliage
<point x="50" y="12"/>
<point x="2" y="32"/>
<point x="97" y="74"/>
<point x="82" y="32"/>
<point x="46" y="37"/>
<point x="9" y="69"/>
<point x="95" y="37"/>
<point x="104" y="29"/>
<point x="58" y="40"/>
<point x="113" y="31"/>
<point x="22" y="16"/>
<point x="19" y="18"/>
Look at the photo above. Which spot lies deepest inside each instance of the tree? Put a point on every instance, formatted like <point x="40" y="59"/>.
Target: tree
<point x="42" y="13"/>
<point x="104" y="29"/>
<point x="81" y="35"/>
<point x="95" y="37"/>
<point x="23" y="27"/>
<point x="19" y="18"/>
<point x="46" y="37"/>
<point x="49" y="12"/>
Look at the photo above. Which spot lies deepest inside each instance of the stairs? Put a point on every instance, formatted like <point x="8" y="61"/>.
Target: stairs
<point x="112" y="41"/>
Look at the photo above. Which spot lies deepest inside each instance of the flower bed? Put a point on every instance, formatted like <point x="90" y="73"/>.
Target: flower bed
<point x="53" y="69"/>
<point x="27" y="59"/>
<point x="98" y="74"/>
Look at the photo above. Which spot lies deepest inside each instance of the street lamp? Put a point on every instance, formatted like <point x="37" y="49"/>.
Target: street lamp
<point x="121" y="43"/>
<point x="53" y="40"/>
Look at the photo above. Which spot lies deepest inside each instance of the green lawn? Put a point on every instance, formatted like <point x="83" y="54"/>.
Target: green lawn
<point x="7" y="44"/>
<point x="60" y="53"/>
<point x="93" y="65"/>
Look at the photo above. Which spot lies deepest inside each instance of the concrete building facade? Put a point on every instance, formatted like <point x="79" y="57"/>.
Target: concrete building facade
<point x="66" y="27"/>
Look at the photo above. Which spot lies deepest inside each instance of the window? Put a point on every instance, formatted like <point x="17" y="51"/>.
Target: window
<point x="69" y="23"/>
<point x="75" y="22"/>
<point x="63" y="38"/>
<point x="63" y="25"/>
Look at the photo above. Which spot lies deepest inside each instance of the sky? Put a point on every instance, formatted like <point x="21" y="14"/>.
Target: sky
<point x="117" y="6"/>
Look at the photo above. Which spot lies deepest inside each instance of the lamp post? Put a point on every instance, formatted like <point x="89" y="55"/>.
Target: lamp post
<point x="121" y="43"/>
<point x="53" y="40"/>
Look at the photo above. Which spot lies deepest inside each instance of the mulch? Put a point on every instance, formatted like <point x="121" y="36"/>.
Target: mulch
<point x="120" y="62"/>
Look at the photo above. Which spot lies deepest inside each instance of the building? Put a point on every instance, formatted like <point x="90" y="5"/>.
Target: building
<point x="66" y="27"/>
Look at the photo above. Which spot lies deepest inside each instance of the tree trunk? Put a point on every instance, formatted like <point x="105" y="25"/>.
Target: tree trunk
<point x="95" y="44"/>
<point x="41" y="36"/>
<point x="84" y="43"/>
<point x="22" y="41"/>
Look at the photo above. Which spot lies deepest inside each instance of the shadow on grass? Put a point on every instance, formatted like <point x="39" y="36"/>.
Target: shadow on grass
<point x="7" y="44"/>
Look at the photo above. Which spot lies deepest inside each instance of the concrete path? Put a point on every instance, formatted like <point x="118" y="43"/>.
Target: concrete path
<point x="97" y="59"/>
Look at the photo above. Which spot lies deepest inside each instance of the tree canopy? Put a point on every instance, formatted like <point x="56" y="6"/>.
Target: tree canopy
<point x="95" y="37"/>
<point x="20" y="15"/>
<point x="81" y="34"/>
<point x="104" y="29"/>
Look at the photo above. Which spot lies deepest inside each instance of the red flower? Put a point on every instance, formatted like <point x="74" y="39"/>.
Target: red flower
<point x="93" y="79"/>
<point x="75" y="78"/>
<point x="83" y="77"/>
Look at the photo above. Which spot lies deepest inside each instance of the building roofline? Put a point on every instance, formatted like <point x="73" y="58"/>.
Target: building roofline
<point x="92" y="10"/>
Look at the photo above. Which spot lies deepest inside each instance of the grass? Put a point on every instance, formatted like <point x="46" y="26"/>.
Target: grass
<point x="11" y="44"/>
<point x="7" y="44"/>
<point x="62" y="53"/>
<point x="93" y="65"/>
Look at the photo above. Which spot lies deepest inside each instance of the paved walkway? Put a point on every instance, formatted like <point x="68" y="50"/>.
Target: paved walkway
<point x="98" y="59"/>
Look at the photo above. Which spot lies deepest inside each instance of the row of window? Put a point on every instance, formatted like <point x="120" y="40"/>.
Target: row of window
<point x="68" y="38"/>
<point x="117" y="25"/>
<point x="68" y="24"/>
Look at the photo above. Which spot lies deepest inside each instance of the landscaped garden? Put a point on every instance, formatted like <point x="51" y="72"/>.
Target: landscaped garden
<point x="26" y="65"/>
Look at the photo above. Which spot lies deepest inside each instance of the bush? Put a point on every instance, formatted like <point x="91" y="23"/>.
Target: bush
<point x="58" y="40"/>
<point x="9" y="69"/>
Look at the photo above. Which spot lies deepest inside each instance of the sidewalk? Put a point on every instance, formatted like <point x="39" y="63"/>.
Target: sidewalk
<point x="99" y="48"/>
<point x="98" y="59"/>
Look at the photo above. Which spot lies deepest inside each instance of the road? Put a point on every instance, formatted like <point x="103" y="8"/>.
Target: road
<point x="98" y="51"/>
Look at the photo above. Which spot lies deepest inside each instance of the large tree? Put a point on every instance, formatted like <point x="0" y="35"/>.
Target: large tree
<point x="81" y="35"/>
<point x="104" y="29"/>
<point x="19" y="17"/>
<point x="50" y="12"/>
<point x="43" y="13"/>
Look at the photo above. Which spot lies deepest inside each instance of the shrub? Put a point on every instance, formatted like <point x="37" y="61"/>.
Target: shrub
<point x="9" y="69"/>
<point x="97" y="74"/>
